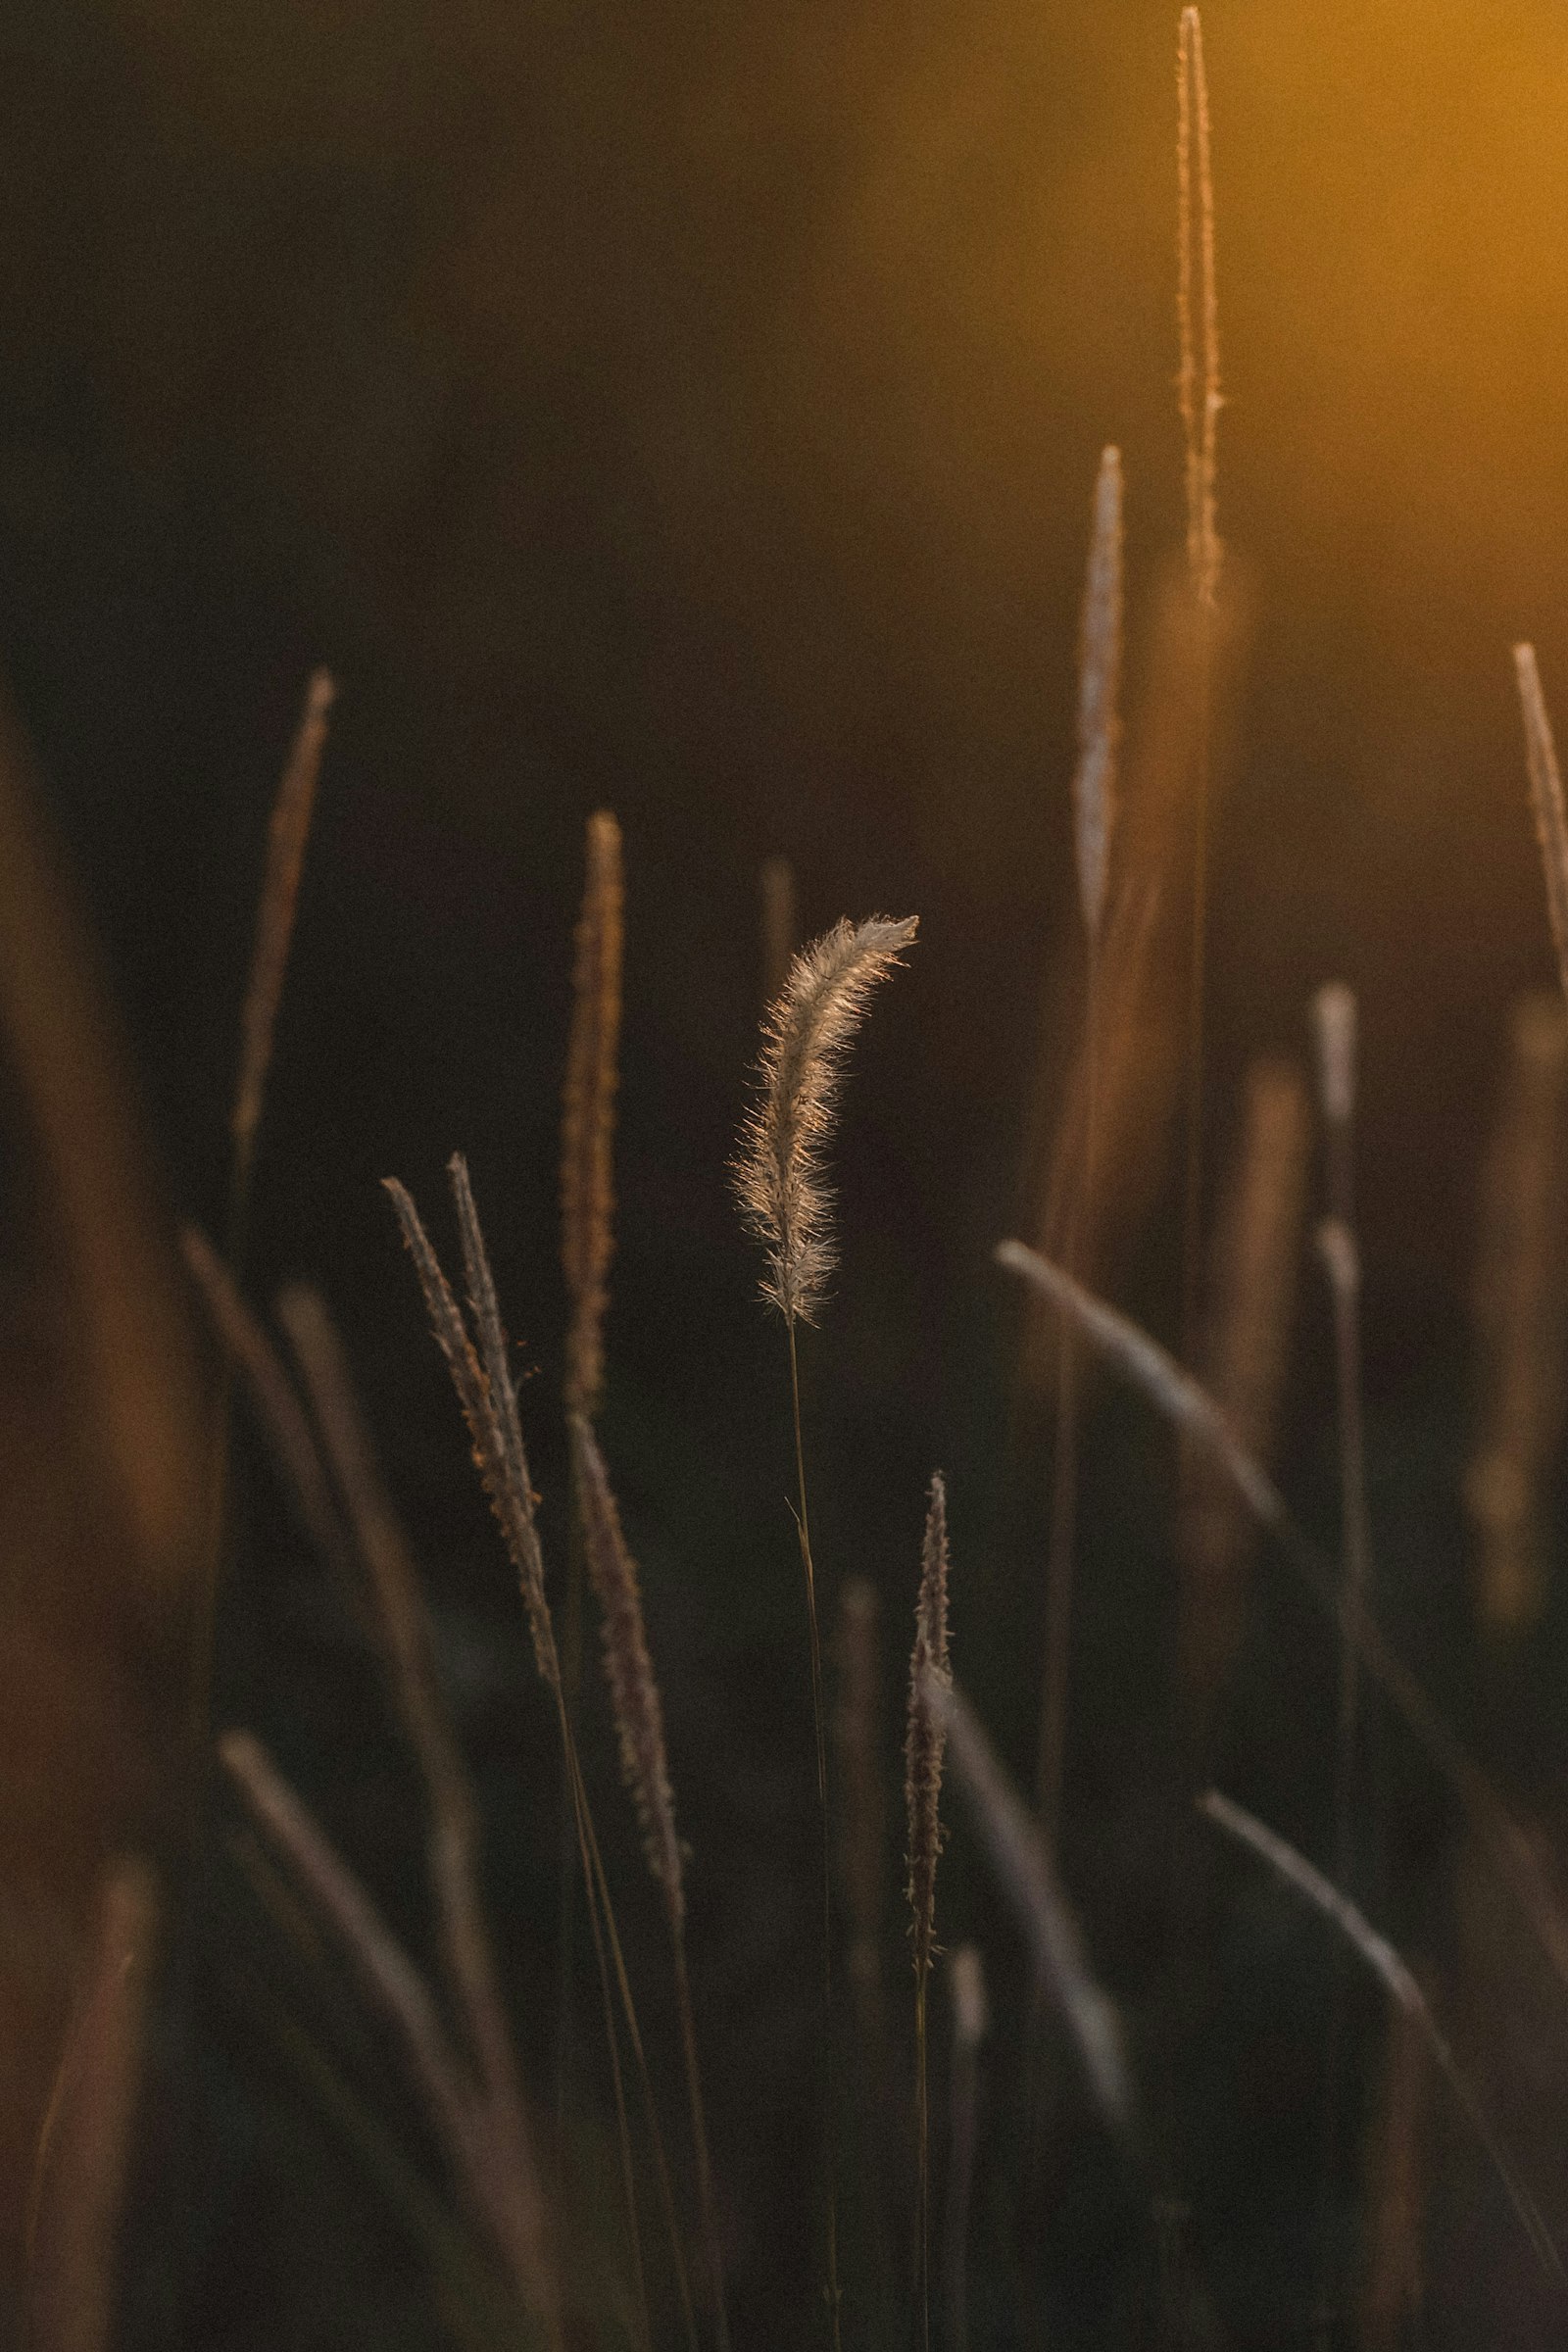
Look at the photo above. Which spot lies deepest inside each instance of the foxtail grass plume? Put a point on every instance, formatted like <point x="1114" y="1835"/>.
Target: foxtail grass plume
<point x="1244" y="1352"/>
<point x="588" y="1113"/>
<point x="1197" y="306"/>
<point x="924" y="1739"/>
<point x="1545" y="798"/>
<point x="275" y="926"/>
<point x="1403" y="1990"/>
<point x="1098" y="697"/>
<point x="779" y="1175"/>
<point x="628" y="1667"/>
<point x="1023" y="1871"/>
<point x="1520" y="1313"/>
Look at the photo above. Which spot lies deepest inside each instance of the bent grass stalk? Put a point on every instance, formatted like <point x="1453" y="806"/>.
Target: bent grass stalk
<point x="781" y="1182"/>
<point x="1140" y="1359"/>
<point x="516" y="2223"/>
<point x="1024" y="1871"/>
<point x="403" y="1628"/>
<point x="1395" y="1976"/>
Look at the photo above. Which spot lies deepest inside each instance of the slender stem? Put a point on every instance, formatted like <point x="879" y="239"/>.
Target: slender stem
<point x="961" y="2182"/>
<point x="603" y="1915"/>
<point x="1357" y="1547"/>
<point x="704" y="2169"/>
<point x="804" y="1528"/>
<point x="924" y="2125"/>
<point x="1060" y="1559"/>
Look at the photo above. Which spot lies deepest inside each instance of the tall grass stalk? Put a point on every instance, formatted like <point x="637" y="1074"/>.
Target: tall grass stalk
<point x="1334" y="1028"/>
<point x="1093" y="809"/>
<point x="1520" y="1319"/>
<point x="1403" y="1990"/>
<point x="1199" y="401"/>
<point x="925" y="1739"/>
<point x="640" y="1724"/>
<point x="487" y="1397"/>
<point x="587" y="1247"/>
<point x="1248" y="1315"/>
<point x="781" y="1181"/>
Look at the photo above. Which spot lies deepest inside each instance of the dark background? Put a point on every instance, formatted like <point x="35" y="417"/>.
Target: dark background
<point x="694" y="411"/>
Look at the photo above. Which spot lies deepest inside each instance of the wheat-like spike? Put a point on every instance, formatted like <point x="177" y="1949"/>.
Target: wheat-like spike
<point x="510" y="1494"/>
<point x="780" y="1174"/>
<point x="924" y="1739"/>
<point x="1098" y="696"/>
<point x="628" y="1667"/>
<point x="1395" y="1974"/>
<point x="588" y="1113"/>
<point x="1023" y="1868"/>
<point x="1545" y="798"/>
<point x="286" y="840"/>
<point x="1197" y="313"/>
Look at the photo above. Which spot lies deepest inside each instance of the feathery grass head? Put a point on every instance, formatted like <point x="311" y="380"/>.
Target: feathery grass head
<point x="628" y="1667"/>
<point x="1099" y="685"/>
<point x="588" y="1113"/>
<point x="927" y="1738"/>
<point x="779" y="1176"/>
